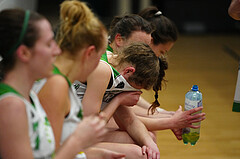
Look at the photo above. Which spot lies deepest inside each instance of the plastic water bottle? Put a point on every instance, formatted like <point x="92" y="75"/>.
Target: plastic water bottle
<point x="193" y="99"/>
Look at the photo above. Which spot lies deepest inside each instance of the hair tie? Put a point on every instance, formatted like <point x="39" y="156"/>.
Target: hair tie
<point x="158" y="13"/>
<point x="23" y="32"/>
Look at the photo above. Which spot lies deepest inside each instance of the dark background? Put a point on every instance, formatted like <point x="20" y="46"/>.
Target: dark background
<point x="190" y="16"/>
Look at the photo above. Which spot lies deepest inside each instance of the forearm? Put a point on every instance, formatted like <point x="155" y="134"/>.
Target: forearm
<point x="155" y="124"/>
<point x="143" y="103"/>
<point x="111" y="108"/>
<point x="127" y="120"/>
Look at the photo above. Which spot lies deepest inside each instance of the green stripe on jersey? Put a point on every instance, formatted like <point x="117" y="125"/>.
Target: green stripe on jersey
<point x="4" y="88"/>
<point x="104" y="58"/>
<point x="56" y="71"/>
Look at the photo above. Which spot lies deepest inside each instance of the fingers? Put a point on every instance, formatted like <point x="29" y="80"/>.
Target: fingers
<point x="144" y="149"/>
<point x="177" y="133"/>
<point x="149" y="153"/>
<point x="191" y="111"/>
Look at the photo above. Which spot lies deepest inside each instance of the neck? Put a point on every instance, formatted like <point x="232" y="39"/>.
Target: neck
<point x="21" y="80"/>
<point x="113" y="46"/>
<point x="68" y="66"/>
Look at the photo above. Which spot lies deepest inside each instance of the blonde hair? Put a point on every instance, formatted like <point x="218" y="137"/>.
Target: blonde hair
<point x="79" y="27"/>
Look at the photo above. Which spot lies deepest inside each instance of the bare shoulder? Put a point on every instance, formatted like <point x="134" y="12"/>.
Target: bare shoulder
<point x="55" y="84"/>
<point x="11" y="108"/>
<point x="103" y="70"/>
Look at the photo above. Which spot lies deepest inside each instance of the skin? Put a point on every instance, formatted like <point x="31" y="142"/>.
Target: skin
<point x="165" y="119"/>
<point x="124" y="117"/>
<point x="21" y="77"/>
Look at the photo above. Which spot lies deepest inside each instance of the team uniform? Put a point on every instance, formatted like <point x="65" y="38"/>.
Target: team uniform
<point x="40" y="131"/>
<point x="75" y="115"/>
<point x="236" y="103"/>
<point x="116" y="85"/>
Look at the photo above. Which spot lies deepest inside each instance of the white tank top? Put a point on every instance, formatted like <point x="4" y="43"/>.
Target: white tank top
<point x="40" y="131"/>
<point x="116" y="85"/>
<point x="75" y="115"/>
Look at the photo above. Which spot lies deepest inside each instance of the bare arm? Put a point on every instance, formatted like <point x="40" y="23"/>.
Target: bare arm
<point x="180" y="119"/>
<point x="128" y="121"/>
<point x="14" y="138"/>
<point x="97" y="84"/>
<point x="55" y="101"/>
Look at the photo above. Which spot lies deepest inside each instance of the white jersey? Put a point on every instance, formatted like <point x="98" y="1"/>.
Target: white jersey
<point x="75" y="114"/>
<point x="40" y="131"/>
<point x="116" y="85"/>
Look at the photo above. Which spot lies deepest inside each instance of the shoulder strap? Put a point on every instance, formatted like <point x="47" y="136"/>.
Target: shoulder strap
<point x="56" y="71"/>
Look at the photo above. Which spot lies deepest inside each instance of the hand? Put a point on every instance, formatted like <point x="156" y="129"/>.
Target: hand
<point x="102" y="153"/>
<point x="177" y="133"/>
<point x="90" y="130"/>
<point x="129" y="98"/>
<point x="152" y="151"/>
<point x="182" y="119"/>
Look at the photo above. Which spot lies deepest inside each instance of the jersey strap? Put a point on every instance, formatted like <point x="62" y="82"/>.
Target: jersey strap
<point x="104" y="58"/>
<point x="4" y="88"/>
<point x="56" y="71"/>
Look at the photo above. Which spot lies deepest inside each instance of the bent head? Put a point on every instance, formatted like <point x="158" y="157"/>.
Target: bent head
<point x="139" y="65"/>
<point x="165" y="32"/>
<point x="129" y="28"/>
<point x="26" y="39"/>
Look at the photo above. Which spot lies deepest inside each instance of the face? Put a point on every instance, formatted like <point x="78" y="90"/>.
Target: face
<point x="162" y="49"/>
<point x="94" y="59"/>
<point x="138" y="36"/>
<point x="44" y="51"/>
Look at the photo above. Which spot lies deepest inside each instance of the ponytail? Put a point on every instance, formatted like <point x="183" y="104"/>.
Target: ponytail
<point x="158" y="85"/>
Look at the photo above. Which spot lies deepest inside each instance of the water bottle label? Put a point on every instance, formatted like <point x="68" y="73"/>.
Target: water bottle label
<point x="189" y="104"/>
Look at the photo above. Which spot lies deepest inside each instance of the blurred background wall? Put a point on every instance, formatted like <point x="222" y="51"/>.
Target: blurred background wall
<point x="198" y="16"/>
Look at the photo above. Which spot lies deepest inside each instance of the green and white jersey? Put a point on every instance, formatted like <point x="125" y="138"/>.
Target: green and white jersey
<point x="117" y="83"/>
<point x="75" y="114"/>
<point x="40" y="131"/>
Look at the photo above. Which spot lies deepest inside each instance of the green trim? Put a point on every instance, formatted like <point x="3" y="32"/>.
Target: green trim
<point x="104" y="58"/>
<point x="4" y="88"/>
<point x="236" y="107"/>
<point x="56" y="71"/>
<point x="109" y="48"/>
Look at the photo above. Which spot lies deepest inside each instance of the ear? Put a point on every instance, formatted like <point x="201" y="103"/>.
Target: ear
<point x="90" y="50"/>
<point x="23" y="53"/>
<point x="128" y="71"/>
<point x="119" y="40"/>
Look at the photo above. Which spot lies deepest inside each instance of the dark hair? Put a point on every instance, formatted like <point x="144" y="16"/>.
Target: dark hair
<point x="125" y="25"/>
<point x="158" y="85"/>
<point x="11" y="24"/>
<point x="146" y="64"/>
<point x="165" y="29"/>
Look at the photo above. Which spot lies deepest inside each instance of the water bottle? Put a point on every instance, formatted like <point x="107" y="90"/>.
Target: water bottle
<point x="193" y="99"/>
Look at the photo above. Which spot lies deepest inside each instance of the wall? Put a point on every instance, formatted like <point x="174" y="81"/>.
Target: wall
<point x="25" y="4"/>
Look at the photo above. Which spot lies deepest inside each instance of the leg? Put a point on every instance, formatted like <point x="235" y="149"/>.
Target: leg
<point x="131" y="151"/>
